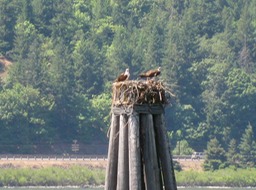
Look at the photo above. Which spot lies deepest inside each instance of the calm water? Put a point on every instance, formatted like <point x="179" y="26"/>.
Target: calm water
<point x="65" y="188"/>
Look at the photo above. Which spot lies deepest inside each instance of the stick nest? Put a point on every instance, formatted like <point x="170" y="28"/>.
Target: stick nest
<point x="140" y="92"/>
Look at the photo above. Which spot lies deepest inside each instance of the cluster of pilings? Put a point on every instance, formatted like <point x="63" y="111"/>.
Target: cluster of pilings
<point x="139" y="155"/>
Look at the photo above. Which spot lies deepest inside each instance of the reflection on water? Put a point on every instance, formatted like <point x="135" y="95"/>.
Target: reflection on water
<point x="85" y="188"/>
<point x="215" y="188"/>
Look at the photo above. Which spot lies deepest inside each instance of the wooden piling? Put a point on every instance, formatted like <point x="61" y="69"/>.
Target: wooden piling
<point x="134" y="153"/>
<point x="139" y="155"/>
<point x="164" y="153"/>
<point x="111" y="171"/>
<point x="150" y="162"/>
<point x="123" y="154"/>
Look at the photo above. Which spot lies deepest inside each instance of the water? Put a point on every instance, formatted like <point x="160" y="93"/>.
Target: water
<point x="85" y="188"/>
<point x="216" y="188"/>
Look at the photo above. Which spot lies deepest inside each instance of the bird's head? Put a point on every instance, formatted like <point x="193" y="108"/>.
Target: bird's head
<point x="127" y="71"/>
<point x="159" y="68"/>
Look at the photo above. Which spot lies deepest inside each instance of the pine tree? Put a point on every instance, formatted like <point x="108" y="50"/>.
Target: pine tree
<point x="8" y="15"/>
<point x="247" y="148"/>
<point x="183" y="148"/>
<point x="232" y="154"/>
<point x="25" y="34"/>
<point x="44" y="11"/>
<point x="27" y="44"/>
<point x="87" y="66"/>
<point x="26" y="11"/>
<point x="215" y="155"/>
<point x="62" y="25"/>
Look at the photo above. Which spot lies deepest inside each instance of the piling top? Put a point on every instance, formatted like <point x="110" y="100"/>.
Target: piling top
<point x="138" y="92"/>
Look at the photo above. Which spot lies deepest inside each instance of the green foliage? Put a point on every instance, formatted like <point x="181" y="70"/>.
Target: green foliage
<point x="101" y="108"/>
<point x="43" y="11"/>
<point x="248" y="148"/>
<point x="86" y="62"/>
<point x="52" y="176"/>
<point x="70" y="51"/>
<point x="31" y="109"/>
<point x="224" y="177"/>
<point x="81" y="176"/>
<point x="93" y="117"/>
<point x="25" y="35"/>
<point x="8" y="16"/>
<point x="232" y="154"/>
<point x="182" y="148"/>
<point x="214" y="155"/>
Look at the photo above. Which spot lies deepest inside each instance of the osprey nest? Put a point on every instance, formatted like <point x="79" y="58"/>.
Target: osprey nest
<point x="132" y="92"/>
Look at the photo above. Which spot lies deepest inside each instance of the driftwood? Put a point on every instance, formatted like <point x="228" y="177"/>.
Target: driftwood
<point x="139" y="155"/>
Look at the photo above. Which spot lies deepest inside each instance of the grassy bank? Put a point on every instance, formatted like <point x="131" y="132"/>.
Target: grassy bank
<point x="77" y="175"/>
<point x="51" y="176"/>
<point x="225" y="177"/>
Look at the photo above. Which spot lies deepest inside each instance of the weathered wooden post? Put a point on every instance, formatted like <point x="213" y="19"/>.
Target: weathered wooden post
<point x="139" y="156"/>
<point x="111" y="173"/>
<point x="123" y="161"/>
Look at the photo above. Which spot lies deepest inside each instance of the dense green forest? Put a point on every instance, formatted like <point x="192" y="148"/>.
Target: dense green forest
<point x="66" y="53"/>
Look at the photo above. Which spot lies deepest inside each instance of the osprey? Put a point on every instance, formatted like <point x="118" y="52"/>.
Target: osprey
<point x="123" y="76"/>
<point x="151" y="73"/>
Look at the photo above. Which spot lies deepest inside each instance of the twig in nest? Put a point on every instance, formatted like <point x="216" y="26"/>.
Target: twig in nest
<point x="160" y="95"/>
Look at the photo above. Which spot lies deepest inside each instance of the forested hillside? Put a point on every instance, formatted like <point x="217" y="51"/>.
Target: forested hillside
<point x="65" y="55"/>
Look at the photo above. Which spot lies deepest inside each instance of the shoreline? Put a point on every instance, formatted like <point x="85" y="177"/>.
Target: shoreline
<point x="102" y="186"/>
<point x="91" y="174"/>
<point x="51" y="187"/>
<point x="213" y="187"/>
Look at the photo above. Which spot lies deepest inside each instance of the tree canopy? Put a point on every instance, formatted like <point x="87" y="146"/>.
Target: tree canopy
<point x="66" y="53"/>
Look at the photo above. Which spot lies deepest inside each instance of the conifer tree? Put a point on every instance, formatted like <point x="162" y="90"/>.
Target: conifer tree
<point x="232" y="154"/>
<point x="247" y="148"/>
<point x="9" y="10"/>
<point x="44" y="11"/>
<point x="215" y="155"/>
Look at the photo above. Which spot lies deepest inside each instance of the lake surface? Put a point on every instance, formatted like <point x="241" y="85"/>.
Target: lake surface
<point x="85" y="188"/>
